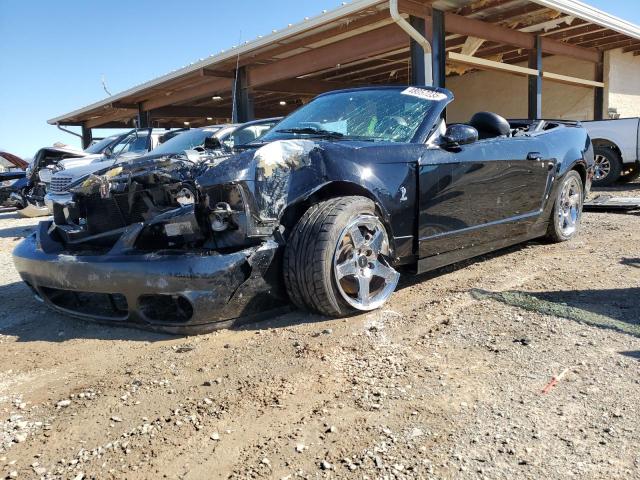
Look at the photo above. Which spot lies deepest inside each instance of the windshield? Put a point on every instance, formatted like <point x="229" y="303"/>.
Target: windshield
<point x="375" y="114"/>
<point x="99" y="146"/>
<point x="185" y="141"/>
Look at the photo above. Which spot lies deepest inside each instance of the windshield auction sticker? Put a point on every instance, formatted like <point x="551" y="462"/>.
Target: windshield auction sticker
<point x="424" y="93"/>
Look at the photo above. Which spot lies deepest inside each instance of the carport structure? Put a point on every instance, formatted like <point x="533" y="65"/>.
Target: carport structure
<point x="361" y="44"/>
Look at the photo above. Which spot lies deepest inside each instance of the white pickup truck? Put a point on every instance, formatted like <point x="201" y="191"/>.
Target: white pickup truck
<point x="616" y="145"/>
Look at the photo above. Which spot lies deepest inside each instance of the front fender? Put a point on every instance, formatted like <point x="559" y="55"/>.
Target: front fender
<point x="286" y="173"/>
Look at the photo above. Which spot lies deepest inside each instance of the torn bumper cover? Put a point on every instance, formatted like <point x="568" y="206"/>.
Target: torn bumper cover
<point x="173" y="292"/>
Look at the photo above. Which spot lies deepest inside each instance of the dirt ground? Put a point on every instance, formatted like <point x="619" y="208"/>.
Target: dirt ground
<point x="445" y="382"/>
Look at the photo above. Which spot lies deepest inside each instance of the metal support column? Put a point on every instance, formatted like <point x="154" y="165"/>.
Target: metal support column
<point x="87" y="137"/>
<point x="243" y="101"/>
<point x="535" y="82"/>
<point x="598" y="92"/>
<point x="417" y="53"/>
<point x="438" y="48"/>
<point x="144" y="119"/>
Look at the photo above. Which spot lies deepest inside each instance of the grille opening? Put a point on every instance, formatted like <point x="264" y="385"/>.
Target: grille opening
<point x="111" y="305"/>
<point x="166" y="308"/>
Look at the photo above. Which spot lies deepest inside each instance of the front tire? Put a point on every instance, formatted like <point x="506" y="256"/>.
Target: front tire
<point x="336" y="258"/>
<point x="567" y="209"/>
<point x="608" y="167"/>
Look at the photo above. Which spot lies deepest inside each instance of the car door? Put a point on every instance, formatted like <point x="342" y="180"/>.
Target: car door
<point x="480" y="193"/>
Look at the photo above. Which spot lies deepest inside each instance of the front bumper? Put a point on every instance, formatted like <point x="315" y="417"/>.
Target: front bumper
<point x="180" y="293"/>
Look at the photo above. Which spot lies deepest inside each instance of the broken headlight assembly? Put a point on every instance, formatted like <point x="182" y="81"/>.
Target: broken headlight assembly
<point x="226" y="207"/>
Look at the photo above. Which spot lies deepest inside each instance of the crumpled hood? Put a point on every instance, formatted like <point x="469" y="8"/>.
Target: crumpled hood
<point x="284" y="171"/>
<point x="275" y="157"/>
<point x="169" y="167"/>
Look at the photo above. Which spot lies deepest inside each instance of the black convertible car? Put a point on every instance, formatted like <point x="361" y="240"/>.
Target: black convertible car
<point x="326" y="209"/>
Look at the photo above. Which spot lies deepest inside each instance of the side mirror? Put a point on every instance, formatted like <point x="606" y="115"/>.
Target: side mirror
<point x="212" y="143"/>
<point x="108" y="152"/>
<point x="459" y="134"/>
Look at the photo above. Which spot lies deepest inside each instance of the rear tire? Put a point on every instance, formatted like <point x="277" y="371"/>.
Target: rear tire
<point x="335" y="261"/>
<point x="608" y="167"/>
<point x="567" y="209"/>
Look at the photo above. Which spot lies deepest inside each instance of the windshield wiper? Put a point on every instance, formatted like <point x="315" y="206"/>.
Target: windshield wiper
<point x="312" y="131"/>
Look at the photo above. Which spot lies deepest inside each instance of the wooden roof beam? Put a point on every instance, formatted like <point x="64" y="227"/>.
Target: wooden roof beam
<point x="371" y="43"/>
<point x="317" y="37"/>
<point x="208" y="72"/>
<point x="124" y="106"/>
<point x="485" y="64"/>
<point x="622" y="43"/>
<point x="188" y="111"/>
<point x="210" y="88"/>
<point x="303" y="86"/>
<point x="595" y="36"/>
<point x="605" y="40"/>
<point x="555" y="47"/>
<point x="117" y="115"/>
<point x="476" y="28"/>
<point x="564" y="34"/>
<point x="567" y="80"/>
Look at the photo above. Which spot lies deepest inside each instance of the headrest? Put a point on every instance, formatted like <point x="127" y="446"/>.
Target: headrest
<point x="491" y="124"/>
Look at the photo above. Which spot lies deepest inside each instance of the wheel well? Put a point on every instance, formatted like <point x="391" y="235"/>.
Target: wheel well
<point x="601" y="142"/>
<point x="294" y="212"/>
<point x="582" y="171"/>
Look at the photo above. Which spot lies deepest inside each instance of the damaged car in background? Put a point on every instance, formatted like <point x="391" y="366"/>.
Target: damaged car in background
<point x="49" y="160"/>
<point x="192" y="142"/>
<point x="327" y="209"/>
<point x="12" y="177"/>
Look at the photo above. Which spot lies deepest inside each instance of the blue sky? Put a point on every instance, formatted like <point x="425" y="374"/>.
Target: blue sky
<point x="53" y="54"/>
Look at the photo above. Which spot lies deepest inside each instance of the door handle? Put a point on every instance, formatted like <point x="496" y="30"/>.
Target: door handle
<point x="537" y="156"/>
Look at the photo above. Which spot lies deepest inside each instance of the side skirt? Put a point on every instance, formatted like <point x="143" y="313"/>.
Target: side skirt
<point x="436" y="261"/>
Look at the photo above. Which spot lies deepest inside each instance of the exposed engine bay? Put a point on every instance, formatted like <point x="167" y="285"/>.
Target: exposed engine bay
<point x="160" y="197"/>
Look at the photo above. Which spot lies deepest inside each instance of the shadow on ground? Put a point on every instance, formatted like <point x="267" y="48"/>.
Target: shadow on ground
<point x="632" y="354"/>
<point x="17" y="232"/>
<point x="612" y="309"/>
<point x="631" y="262"/>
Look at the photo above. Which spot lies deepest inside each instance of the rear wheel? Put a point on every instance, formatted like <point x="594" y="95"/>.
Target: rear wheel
<point x="567" y="209"/>
<point x="336" y="259"/>
<point x="608" y="167"/>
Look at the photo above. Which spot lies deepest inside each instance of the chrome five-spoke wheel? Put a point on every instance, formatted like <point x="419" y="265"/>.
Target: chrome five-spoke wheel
<point x="363" y="275"/>
<point x="570" y="206"/>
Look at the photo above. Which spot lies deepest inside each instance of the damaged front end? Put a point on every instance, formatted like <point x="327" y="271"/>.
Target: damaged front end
<point x="145" y="244"/>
